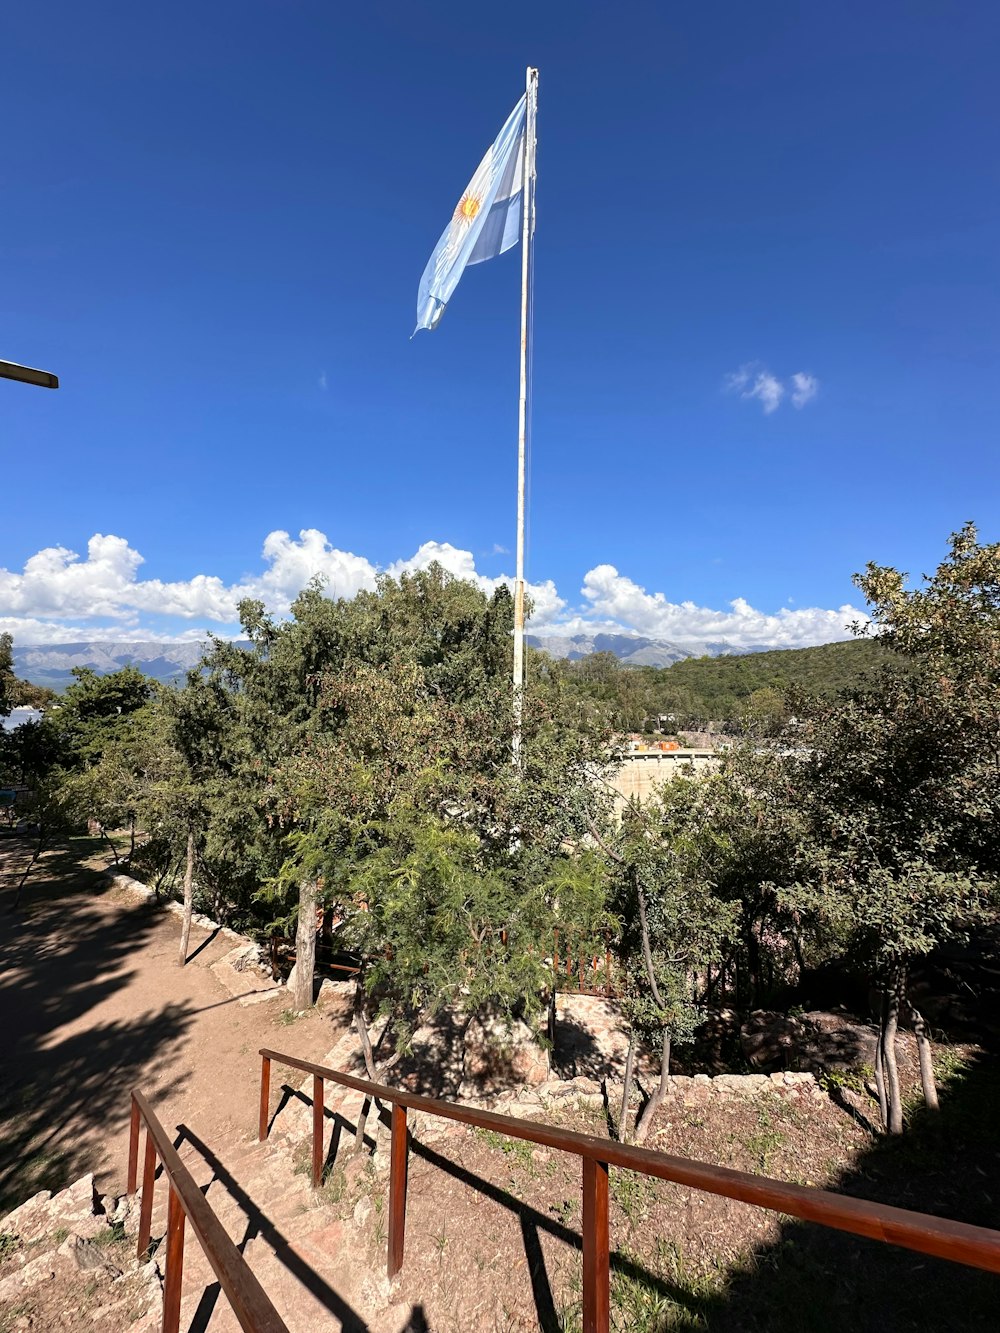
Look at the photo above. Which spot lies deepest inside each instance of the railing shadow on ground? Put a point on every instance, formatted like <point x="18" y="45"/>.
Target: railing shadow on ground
<point x="61" y="956"/>
<point x="947" y="1164"/>
<point x="258" y="1224"/>
<point x="532" y="1222"/>
<point x="707" y="1302"/>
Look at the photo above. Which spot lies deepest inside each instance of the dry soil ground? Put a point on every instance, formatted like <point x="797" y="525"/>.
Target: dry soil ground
<point x="92" y="1003"/>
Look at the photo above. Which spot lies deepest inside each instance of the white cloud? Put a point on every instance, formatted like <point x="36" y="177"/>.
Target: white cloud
<point x="322" y="380"/>
<point x="805" y="387"/>
<point x="616" y="600"/>
<point x="61" y="598"/>
<point x="57" y="587"/>
<point x="755" y="381"/>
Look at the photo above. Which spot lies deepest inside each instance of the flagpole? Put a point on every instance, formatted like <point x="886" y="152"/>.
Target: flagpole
<point x="527" y="232"/>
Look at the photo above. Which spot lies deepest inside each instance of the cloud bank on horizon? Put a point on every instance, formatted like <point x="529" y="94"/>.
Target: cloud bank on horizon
<point x="61" y="598"/>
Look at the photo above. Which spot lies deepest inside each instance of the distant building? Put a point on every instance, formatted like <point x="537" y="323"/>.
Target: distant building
<point x="647" y="766"/>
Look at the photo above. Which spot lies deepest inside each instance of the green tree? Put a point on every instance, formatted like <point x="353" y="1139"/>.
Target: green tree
<point x="8" y="681"/>
<point x="107" y="725"/>
<point x="899" y="787"/>
<point x="665" y="861"/>
<point x="403" y="761"/>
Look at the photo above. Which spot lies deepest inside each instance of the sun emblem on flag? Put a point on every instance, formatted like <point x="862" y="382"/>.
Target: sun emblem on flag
<point x="468" y="207"/>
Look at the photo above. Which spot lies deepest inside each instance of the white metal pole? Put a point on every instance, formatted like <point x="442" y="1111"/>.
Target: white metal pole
<point x="527" y="229"/>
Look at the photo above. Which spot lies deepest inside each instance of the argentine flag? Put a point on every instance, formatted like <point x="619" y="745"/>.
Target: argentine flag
<point x="485" y="223"/>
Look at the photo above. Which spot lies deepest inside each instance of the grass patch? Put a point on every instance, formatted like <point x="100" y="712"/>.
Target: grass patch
<point x="112" y="1234"/>
<point x="634" y="1193"/>
<point x="334" y="1187"/>
<point x="13" y="1314"/>
<point x="517" y="1150"/>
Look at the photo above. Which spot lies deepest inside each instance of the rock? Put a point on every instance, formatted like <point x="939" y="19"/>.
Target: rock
<point x="30" y="1220"/>
<point x="106" y="1311"/>
<point x="72" y="1209"/>
<point x="33" y="1274"/>
<point x="336" y="990"/>
<point x="741" y="1084"/>
<point x="591" y="1036"/>
<point x="813" y="1042"/>
<point x="86" y="1255"/>
<point x="498" y="1056"/>
<point x="362" y="1210"/>
<point x="244" y="959"/>
<point x="586" y="1087"/>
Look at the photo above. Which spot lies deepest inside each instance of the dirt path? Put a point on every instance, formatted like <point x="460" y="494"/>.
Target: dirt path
<point x="92" y="1003"/>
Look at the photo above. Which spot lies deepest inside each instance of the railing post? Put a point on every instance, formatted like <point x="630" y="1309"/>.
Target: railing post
<point x="317" y="1162"/>
<point x="174" y="1274"/>
<point x="133" y="1149"/>
<point x="146" y="1209"/>
<point x="398" y="1155"/>
<point x="265" y="1096"/>
<point x="596" y="1281"/>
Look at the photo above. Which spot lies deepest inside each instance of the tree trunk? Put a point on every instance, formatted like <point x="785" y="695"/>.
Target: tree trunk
<point x="889" y="1027"/>
<point x="627" y="1089"/>
<point x="652" y="1106"/>
<point x="131" y="841"/>
<point x="362" y="1026"/>
<point x="188" y="900"/>
<point x="927" y="1082"/>
<point x="30" y="867"/>
<point x="109" y="841"/>
<point x="305" y="946"/>
<point x="883" y="1100"/>
<point x="366" y="1051"/>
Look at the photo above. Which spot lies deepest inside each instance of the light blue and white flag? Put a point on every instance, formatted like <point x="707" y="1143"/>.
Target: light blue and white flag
<point x="485" y="223"/>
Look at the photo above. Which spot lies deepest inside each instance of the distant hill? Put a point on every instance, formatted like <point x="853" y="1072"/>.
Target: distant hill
<point x="51" y="664"/>
<point x="630" y="649"/>
<point x="716" y="687"/>
<point x="714" y="677"/>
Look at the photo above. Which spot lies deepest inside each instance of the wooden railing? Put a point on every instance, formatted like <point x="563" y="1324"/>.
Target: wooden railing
<point x="979" y="1247"/>
<point x="185" y="1202"/>
<point x="580" y="969"/>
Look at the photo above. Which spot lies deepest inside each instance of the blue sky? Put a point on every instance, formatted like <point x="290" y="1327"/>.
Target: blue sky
<point x="214" y="220"/>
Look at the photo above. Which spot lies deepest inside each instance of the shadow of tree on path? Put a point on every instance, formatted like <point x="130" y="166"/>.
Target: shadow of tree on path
<point x="64" y="952"/>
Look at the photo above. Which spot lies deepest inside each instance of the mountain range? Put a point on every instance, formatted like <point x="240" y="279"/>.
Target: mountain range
<point x="52" y="664"/>
<point x="632" y="649"/>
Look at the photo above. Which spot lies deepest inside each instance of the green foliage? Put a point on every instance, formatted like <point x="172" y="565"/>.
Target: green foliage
<point x="898" y="788"/>
<point x="7" y="679"/>
<point x="754" y="692"/>
<point x="668" y="857"/>
<point x="720" y="688"/>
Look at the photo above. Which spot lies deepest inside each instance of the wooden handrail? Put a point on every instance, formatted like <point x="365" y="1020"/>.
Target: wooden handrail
<point x="247" y="1297"/>
<point x="977" y="1247"/>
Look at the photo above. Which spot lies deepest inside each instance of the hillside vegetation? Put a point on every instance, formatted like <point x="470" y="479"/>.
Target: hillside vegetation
<point x="723" y="690"/>
<point x="718" y="687"/>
